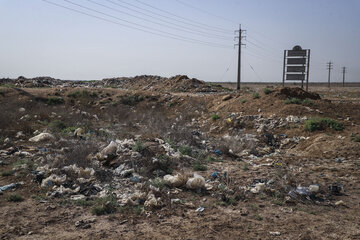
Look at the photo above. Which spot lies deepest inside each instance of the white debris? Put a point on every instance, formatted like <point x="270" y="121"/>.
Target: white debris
<point x="42" y="137"/>
<point x="151" y="201"/>
<point x="53" y="179"/>
<point x="195" y="182"/>
<point x="175" y="181"/>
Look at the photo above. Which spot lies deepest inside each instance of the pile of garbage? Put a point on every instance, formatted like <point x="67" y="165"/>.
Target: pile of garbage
<point x="132" y="171"/>
<point x="179" y="83"/>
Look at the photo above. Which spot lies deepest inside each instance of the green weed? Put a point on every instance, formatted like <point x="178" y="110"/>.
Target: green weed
<point x="316" y="124"/>
<point x="15" y="198"/>
<point x="215" y="117"/>
<point x="256" y="95"/>
<point x="55" y="101"/>
<point x="267" y="91"/>
<point x="198" y="166"/>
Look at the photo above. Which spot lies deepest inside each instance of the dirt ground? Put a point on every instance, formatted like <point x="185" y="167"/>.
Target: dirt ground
<point x="295" y="157"/>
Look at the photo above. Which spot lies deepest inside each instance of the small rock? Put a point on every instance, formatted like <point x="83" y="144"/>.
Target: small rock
<point x="21" y="109"/>
<point x="227" y="97"/>
<point x="340" y="203"/>
<point x="314" y="188"/>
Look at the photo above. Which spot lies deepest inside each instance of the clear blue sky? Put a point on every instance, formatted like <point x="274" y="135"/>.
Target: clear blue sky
<point x="40" y="39"/>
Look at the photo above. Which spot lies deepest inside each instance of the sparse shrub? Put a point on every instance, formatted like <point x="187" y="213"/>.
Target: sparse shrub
<point x="7" y="85"/>
<point x="316" y="124"/>
<point x="215" y="117"/>
<point x="131" y="100"/>
<point x="267" y="91"/>
<point x="212" y="159"/>
<point x="185" y="150"/>
<point x="83" y="93"/>
<point x="140" y="98"/>
<point x="138" y="209"/>
<point x="243" y="101"/>
<point x="293" y="101"/>
<point x="7" y="173"/>
<point x="165" y="163"/>
<point x="172" y="144"/>
<point x="278" y="198"/>
<point x="24" y="161"/>
<point x="55" y="100"/>
<point x="15" y="198"/>
<point x="198" y="166"/>
<point x="57" y="125"/>
<point x="78" y="154"/>
<point x="83" y="203"/>
<point x="106" y="205"/>
<point x="307" y="102"/>
<point x="158" y="182"/>
<point x="355" y="138"/>
<point x="256" y="95"/>
<point x="139" y="146"/>
<point x="69" y="130"/>
<point x="245" y="167"/>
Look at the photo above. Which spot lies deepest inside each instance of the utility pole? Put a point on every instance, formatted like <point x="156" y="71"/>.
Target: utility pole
<point x="343" y="72"/>
<point x="240" y="37"/>
<point x="329" y="67"/>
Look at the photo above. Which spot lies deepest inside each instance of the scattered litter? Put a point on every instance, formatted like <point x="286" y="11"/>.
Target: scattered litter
<point x="200" y="209"/>
<point x="218" y="152"/>
<point x="215" y="175"/>
<point x="196" y="182"/>
<point x="10" y="186"/>
<point x="300" y="191"/>
<point x="42" y="137"/>
<point x="175" y="181"/>
<point x="275" y="233"/>
<point x="336" y="188"/>
<point x="175" y="201"/>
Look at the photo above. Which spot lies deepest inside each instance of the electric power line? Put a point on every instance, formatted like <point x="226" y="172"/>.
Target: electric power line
<point x="228" y="68"/>
<point x="138" y="26"/>
<point x="189" y="21"/>
<point x="260" y="45"/>
<point x="261" y="57"/>
<point x="172" y="25"/>
<point x="256" y="74"/>
<point x="204" y="11"/>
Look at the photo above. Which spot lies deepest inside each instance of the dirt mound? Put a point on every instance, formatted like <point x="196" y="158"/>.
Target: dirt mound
<point x="288" y="92"/>
<point x="179" y="83"/>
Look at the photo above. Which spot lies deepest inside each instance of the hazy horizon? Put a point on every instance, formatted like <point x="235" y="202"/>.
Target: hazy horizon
<point x="41" y="39"/>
